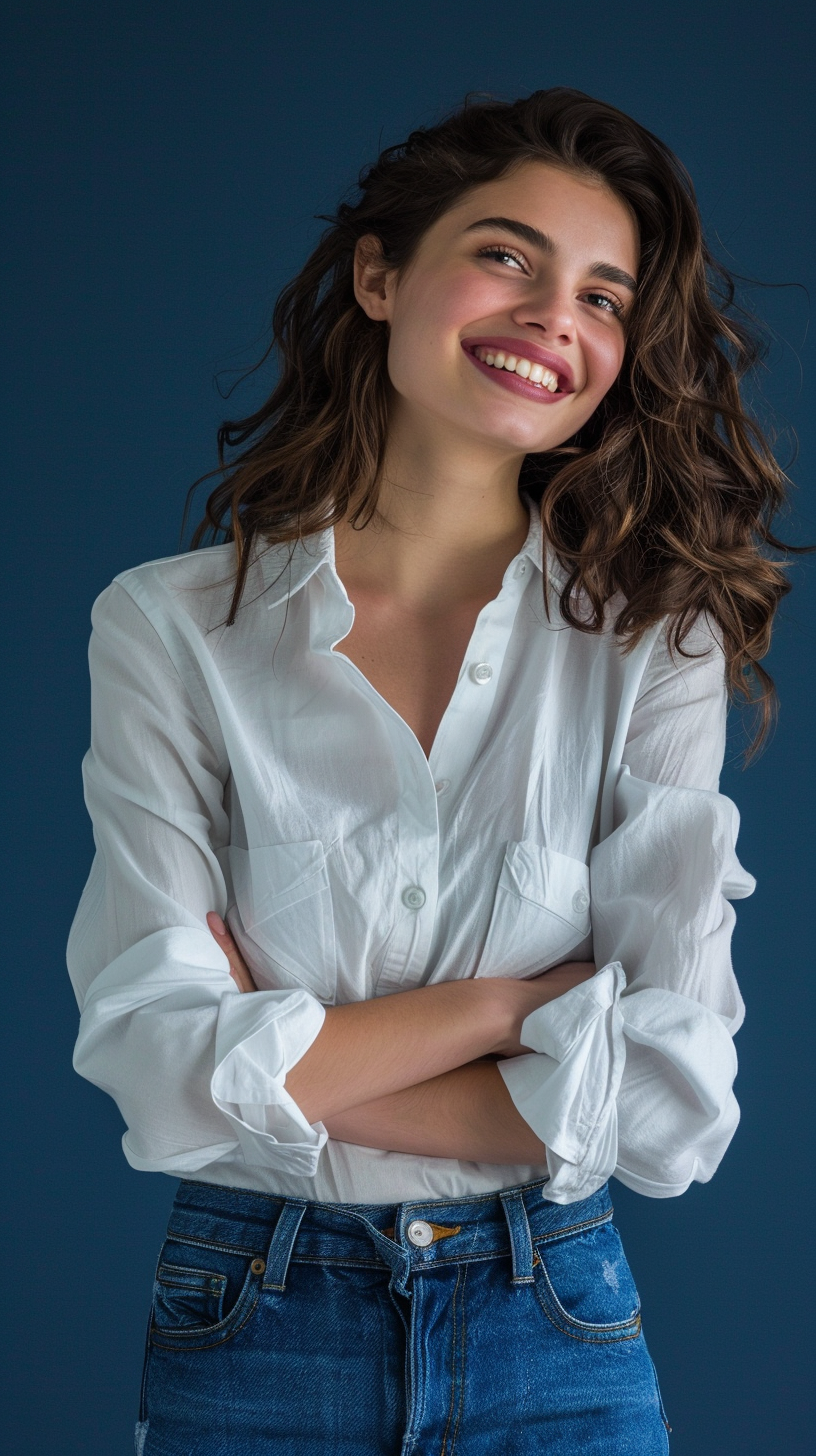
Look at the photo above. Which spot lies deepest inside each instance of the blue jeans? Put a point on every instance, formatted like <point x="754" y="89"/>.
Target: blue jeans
<point x="494" y="1325"/>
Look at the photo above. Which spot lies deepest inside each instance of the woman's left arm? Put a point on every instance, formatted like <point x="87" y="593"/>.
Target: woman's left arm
<point x="633" y="1071"/>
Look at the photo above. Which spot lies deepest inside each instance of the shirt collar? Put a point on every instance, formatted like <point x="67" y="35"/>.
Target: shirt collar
<point x="288" y="566"/>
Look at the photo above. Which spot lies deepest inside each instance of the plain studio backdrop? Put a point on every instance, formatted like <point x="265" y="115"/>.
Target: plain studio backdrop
<point x="165" y="163"/>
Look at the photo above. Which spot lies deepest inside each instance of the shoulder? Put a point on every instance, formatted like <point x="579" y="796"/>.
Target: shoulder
<point x="190" y="592"/>
<point x="696" y="665"/>
<point x="196" y="584"/>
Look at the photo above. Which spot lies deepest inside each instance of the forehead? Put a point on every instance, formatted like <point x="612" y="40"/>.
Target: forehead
<point x="564" y="204"/>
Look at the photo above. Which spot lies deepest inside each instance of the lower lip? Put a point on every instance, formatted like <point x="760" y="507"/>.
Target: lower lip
<point x="518" y="385"/>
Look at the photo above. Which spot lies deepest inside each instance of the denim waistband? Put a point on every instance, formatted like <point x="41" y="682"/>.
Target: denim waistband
<point x="407" y="1237"/>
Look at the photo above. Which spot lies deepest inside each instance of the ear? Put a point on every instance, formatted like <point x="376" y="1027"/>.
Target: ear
<point x="373" y="280"/>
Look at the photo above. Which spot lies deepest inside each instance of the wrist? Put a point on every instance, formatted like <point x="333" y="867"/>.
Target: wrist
<point x="503" y="1011"/>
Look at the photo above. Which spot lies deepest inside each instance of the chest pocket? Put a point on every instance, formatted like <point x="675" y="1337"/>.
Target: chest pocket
<point x="540" y="913"/>
<point x="283" y="897"/>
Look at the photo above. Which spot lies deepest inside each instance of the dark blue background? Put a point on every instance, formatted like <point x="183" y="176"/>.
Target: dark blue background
<point x="165" y="165"/>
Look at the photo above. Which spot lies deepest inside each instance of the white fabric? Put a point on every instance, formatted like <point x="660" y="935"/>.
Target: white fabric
<point x="569" y="810"/>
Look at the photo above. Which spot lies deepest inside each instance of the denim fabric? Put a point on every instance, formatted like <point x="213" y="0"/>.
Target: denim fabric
<point x="296" y="1328"/>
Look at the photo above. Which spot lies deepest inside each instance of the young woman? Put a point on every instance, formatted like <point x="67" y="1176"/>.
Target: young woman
<point x="438" y="729"/>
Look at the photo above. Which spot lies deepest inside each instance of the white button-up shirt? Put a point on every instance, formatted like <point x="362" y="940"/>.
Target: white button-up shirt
<point x="569" y="811"/>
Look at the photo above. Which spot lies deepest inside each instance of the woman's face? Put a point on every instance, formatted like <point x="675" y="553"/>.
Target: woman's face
<point x="538" y="266"/>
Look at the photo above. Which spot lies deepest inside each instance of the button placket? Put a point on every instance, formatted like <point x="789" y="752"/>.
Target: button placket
<point x="465" y="718"/>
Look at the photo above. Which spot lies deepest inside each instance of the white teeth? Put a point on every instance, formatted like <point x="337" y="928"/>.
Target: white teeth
<point x="517" y="364"/>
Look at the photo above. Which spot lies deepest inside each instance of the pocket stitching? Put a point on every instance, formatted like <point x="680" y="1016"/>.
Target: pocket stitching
<point x="586" y="1324"/>
<point x="180" y="1282"/>
<point x="173" y="1341"/>
<point x="581" y="1329"/>
<point x="254" y="926"/>
<point x="249" y="1295"/>
<point x="574" y="931"/>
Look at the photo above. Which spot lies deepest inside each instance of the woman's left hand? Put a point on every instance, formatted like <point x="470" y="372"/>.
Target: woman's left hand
<point x="239" y="970"/>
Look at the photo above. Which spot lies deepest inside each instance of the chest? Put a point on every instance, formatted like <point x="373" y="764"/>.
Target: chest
<point x="411" y="658"/>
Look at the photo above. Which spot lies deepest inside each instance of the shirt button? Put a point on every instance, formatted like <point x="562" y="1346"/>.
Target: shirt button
<point x="442" y="786"/>
<point x="580" y="901"/>
<point x="413" y="897"/>
<point x="521" y="569"/>
<point x="481" y="672"/>
<point x="420" y="1233"/>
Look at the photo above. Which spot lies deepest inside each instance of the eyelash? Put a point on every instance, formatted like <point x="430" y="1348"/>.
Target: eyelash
<point x="615" y="308"/>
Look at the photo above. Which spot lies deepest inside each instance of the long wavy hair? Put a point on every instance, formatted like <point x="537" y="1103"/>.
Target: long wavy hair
<point x="665" y="496"/>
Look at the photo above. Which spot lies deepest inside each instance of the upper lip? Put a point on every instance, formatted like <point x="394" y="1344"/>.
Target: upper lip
<point x="526" y="350"/>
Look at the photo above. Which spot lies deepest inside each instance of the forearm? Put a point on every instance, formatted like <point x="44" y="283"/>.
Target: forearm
<point x="464" y="1113"/>
<point x="367" y="1050"/>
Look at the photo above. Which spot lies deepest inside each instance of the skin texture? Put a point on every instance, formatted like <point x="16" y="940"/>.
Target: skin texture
<point x="416" y="1071"/>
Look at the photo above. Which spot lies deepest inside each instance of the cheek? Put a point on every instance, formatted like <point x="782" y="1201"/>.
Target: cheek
<point x="425" y="329"/>
<point x="603" y="353"/>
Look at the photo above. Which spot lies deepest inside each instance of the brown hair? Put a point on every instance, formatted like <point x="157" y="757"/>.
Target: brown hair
<point x="667" y="493"/>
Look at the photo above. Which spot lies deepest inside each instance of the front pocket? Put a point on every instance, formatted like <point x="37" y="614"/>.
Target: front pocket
<point x="188" y="1298"/>
<point x="283" y="897"/>
<point x="540" y="913"/>
<point x="585" y="1286"/>
<point x="203" y="1295"/>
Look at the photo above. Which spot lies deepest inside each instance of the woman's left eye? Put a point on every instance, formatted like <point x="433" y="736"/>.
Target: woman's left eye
<point x="610" y="305"/>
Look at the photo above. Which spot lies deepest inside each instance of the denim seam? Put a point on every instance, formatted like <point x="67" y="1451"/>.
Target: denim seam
<point x="453" y="1363"/>
<point x="572" y="1228"/>
<point x="175" y="1235"/>
<point x="461" y="1364"/>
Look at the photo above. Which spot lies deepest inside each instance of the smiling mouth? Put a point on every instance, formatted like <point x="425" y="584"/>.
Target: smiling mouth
<point x="530" y="378"/>
<point x="536" y="374"/>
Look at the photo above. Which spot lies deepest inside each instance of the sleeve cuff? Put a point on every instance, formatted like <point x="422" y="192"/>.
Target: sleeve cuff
<point x="259" y="1038"/>
<point x="566" y="1089"/>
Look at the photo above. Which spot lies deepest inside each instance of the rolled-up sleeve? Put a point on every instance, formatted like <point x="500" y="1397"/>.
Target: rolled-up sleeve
<point x="633" y="1071"/>
<point x="196" y="1068"/>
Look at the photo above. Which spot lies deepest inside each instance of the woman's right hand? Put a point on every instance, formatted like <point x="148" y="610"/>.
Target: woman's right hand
<point x="522" y="997"/>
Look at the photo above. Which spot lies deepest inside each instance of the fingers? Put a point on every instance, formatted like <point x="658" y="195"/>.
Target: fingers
<point x="239" y="969"/>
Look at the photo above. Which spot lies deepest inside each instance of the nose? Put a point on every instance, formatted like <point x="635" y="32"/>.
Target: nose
<point x="551" y="311"/>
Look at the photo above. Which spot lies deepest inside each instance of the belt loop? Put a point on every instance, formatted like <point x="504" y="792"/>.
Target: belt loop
<point x="283" y="1239"/>
<point x="521" y="1243"/>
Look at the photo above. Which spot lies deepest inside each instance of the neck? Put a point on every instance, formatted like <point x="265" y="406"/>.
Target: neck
<point x="449" y="519"/>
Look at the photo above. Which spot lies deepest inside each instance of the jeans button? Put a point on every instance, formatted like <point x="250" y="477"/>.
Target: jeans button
<point x="420" y="1233"/>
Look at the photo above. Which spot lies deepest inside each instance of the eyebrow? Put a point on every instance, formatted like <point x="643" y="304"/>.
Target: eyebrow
<point x="545" y="244"/>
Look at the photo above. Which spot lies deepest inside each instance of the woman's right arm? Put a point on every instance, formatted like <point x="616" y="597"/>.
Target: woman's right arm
<point x="465" y="1112"/>
<point x="368" y="1049"/>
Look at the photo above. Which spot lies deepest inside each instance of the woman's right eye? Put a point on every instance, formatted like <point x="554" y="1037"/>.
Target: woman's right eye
<point x="498" y="252"/>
